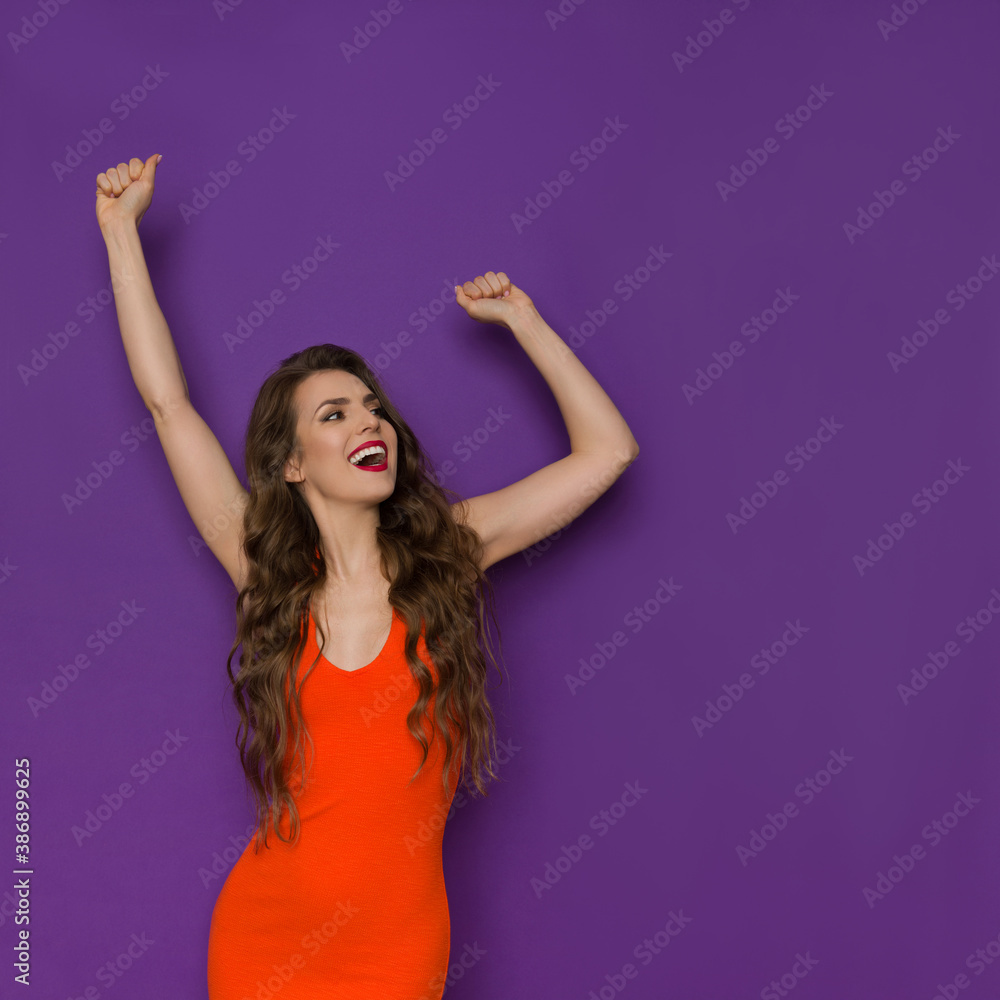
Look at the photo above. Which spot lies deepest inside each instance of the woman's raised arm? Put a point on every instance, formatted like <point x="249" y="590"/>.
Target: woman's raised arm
<point x="209" y="486"/>
<point x="602" y="447"/>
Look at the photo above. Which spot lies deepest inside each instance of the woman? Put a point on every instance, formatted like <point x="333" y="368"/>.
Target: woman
<point x="360" y="611"/>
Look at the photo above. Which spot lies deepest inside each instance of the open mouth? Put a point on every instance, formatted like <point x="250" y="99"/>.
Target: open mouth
<point x="372" y="457"/>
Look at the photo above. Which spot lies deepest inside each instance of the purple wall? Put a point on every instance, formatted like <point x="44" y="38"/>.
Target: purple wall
<point x="778" y="628"/>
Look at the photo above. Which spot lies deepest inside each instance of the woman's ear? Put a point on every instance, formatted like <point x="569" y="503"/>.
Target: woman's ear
<point x="292" y="472"/>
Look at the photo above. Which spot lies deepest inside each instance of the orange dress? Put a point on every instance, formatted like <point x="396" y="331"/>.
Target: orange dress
<point x="357" y="909"/>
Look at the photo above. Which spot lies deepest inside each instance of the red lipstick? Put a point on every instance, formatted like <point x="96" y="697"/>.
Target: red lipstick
<point x="381" y="467"/>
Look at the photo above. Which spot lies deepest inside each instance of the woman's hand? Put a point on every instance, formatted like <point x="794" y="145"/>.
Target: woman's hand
<point x="493" y="298"/>
<point x="124" y="192"/>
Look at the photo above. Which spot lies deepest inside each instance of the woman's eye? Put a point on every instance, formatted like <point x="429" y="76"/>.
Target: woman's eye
<point x="378" y="409"/>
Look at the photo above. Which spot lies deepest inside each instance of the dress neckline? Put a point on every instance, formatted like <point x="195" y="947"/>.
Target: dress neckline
<point x="358" y="670"/>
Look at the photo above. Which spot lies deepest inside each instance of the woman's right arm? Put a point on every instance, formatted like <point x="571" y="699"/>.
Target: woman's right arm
<point x="209" y="486"/>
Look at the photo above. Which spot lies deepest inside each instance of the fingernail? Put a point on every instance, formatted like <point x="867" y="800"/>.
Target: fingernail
<point x="159" y="156"/>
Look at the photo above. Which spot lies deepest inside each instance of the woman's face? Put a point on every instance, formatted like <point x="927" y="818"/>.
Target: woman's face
<point x="338" y="415"/>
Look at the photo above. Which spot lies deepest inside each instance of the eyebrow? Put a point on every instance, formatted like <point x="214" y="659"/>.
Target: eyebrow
<point x="343" y="401"/>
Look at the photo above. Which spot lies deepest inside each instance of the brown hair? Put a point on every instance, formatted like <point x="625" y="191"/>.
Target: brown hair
<point x="430" y="558"/>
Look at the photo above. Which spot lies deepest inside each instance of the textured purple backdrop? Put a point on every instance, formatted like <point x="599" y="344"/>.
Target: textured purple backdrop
<point x="757" y="677"/>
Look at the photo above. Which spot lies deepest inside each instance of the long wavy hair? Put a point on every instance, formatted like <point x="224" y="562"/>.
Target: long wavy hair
<point x="432" y="563"/>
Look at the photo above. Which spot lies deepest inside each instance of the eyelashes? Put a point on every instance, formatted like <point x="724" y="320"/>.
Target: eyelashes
<point x="378" y="409"/>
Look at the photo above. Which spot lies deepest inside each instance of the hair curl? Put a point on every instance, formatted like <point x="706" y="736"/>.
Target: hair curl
<point x="431" y="559"/>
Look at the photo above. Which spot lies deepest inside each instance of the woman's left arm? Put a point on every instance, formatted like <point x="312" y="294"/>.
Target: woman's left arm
<point x="514" y="518"/>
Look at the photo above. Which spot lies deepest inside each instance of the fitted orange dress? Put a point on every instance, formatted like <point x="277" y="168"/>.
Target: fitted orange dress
<point x="357" y="909"/>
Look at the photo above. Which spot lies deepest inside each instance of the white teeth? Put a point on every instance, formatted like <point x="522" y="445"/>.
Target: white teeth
<point x="373" y="450"/>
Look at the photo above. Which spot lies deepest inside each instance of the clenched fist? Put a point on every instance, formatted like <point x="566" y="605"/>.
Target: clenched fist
<point x="493" y="298"/>
<point x="124" y="192"/>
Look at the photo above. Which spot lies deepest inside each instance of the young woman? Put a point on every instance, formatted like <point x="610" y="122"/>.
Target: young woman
<point x="361" y="613"/>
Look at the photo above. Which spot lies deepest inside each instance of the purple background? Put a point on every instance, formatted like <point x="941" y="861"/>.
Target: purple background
<point x="828" y="357"/>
